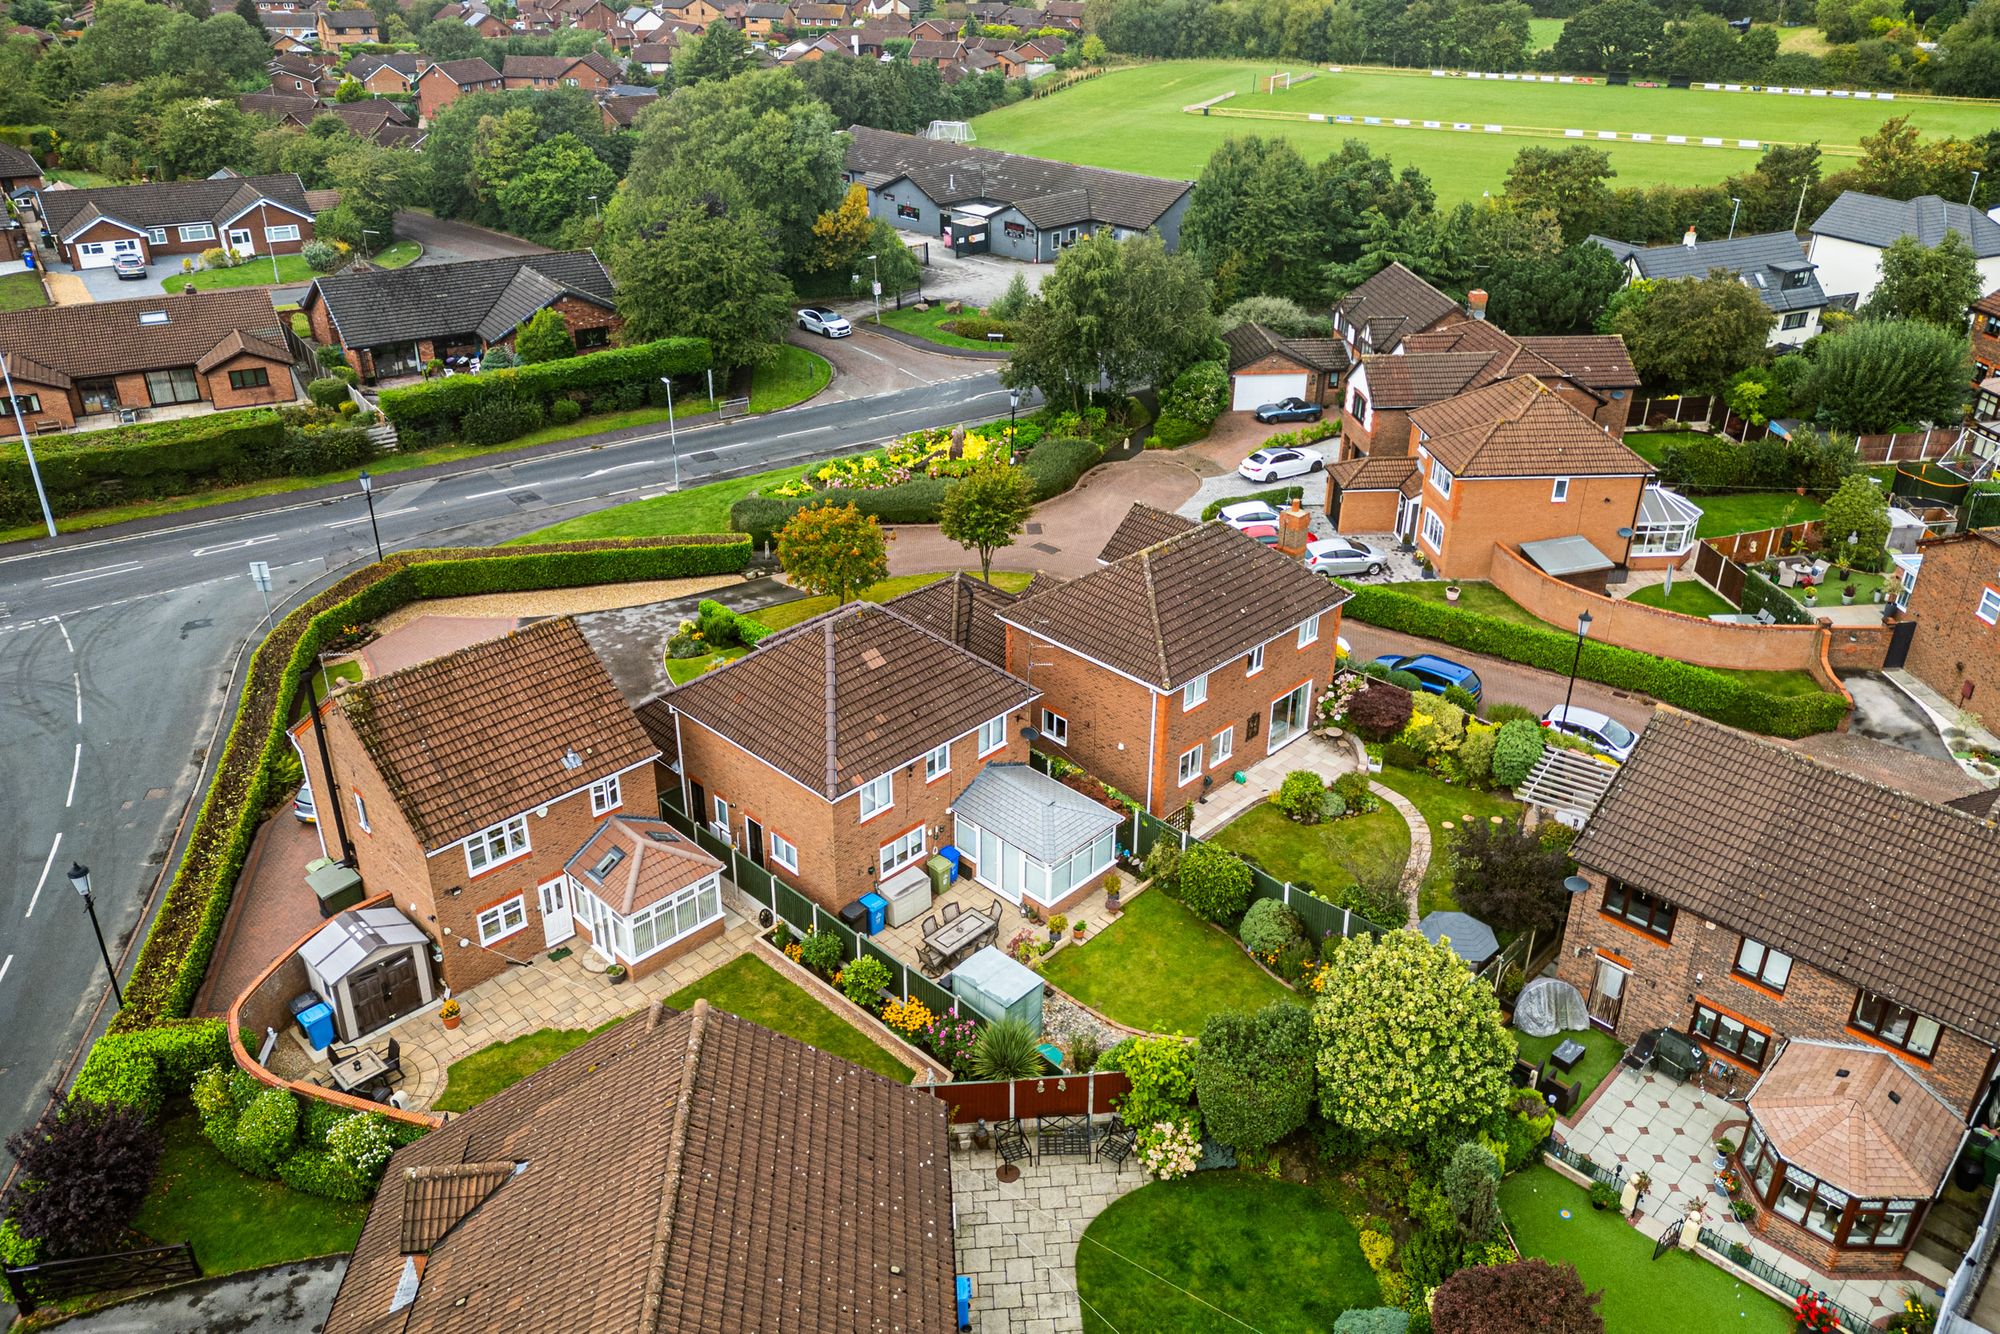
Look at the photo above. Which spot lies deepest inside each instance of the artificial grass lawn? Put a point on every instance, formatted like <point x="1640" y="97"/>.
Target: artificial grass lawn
<point x="22" y="291"/>
<point x="1642" y="1295"/>
<point x="1326" y="856"/>
<point x="1599" y="1060"/>
<point x="793" y="376"/>
<point x="751" y="989"/>
<point x="683" y="670"/>
<point x="1690" y="597"/>
<point x="1473" y="595"/>
<point x="236" y="1221"/>
<point x="1864" y="583"/>
<point x="1443" y="804"/>
<point x="1200" y="1254"/>
<point x="253" y="272"/>
<point x="924" y="324"/>
<point x="473" y="1079"/>
<point x="803" y="609"/>
<point x="1158" y="967"/>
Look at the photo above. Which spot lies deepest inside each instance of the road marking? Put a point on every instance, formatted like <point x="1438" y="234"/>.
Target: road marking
<point x="85" y="576"/>
<point x="237" y="545"/>
<point x="481" y="495"/>
<point x="65" y="634"/>
<point x="77" y="681"/>
<point x="363" y="518"/>
<point x="45" y="877"/>
<point x="621" y="467"/>
<point x="75" y="766"/>
<point x="5" y="964"/>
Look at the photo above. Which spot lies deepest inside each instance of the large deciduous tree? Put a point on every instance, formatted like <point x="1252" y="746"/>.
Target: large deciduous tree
<point x="987" y="509"/>
<point x="1931" y="283"/>
<point x="721" y="52"/>
<point x="1611" y="35"/>
<point x="549" y="184"/>
<point x="199" y="135"/>
<point x="1508" y="879"/>
<point x="833" y="550"/>
<point x="1883" y="375"/>
<point x="1250" y="223"/>
<point x="1555" y="294"/>
<point x="704" y="270"/>
<point x="1572" y="183"/>
<point x="1694" y="333"/>
<point x="1526" y="1297"/>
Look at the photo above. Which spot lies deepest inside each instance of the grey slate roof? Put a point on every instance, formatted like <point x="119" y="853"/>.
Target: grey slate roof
<point x="1032" y="811"/>
<point x="1762" y="261"/>
<point x="1048" y="194"/>
<point x="166" y="203"/>
<point x="483" y="296"/>
<point x="1873" y="220"/>
<point x="15" y="162"/>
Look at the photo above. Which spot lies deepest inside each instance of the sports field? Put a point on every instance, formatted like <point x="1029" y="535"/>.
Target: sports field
<point x="1131" y="120"/>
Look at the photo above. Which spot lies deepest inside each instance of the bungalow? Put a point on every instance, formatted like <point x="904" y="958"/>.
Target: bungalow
<point x="1955" y="601"/>
<point x="981" y="200"/>
<point x="394" y="322"/>
<point x="1849" y="237"/>
<point x="252" y="215"/>
<point x="444" y="82"/>
<point x="1788" y="961"/>
<point x="336" y="28"/>
<point x="1264" y="367"/>
<point x="285" y="109"/>
<point x="509" y="1209"/>
<point x="591" y="71"/>
<point x="1387" y="308"/>
<point x="653" y="57"/>
<point x="379" y="121"/>
<point x="224" y="348"/>
<point x="1174" y="664"/>
<point x="1771" y="264"/>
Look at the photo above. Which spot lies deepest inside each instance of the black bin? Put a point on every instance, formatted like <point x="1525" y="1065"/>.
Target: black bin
<point x="855" y="917"/>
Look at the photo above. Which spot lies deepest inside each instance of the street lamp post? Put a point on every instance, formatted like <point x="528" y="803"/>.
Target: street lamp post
<point x="1582" y="633"/>
<point x="1732" y="215"/>
<point x="368" y="494"/>
<point x="1973" y="191"/>
<point x="595" y="211"/>
<point x="79" y="879"/>
<point x="876" y="261"/>
<point x="367" y="232"/>
<point x="673" y="440"/>
<point x="1013" y="406"/>
<point x="14" y="404"/>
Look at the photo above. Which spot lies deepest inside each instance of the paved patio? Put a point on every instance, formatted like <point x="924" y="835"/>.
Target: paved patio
<point x="1227" y="800"/>
<point x="973" y="897"/>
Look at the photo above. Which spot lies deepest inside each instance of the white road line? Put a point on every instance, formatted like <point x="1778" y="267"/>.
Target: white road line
<point x="121" y="565"/>
<point x="77" y="681"/>
<point x="621" y="467"/>
<point x="106" y="572"/>
<point x="75" y="766"/>
<point x="237" y="545"/>
<point x="363" y="518"/>
<point x="65" y="634"/>
<point x="45" y="878"/>
<point x="5" y="964"/>
<point x="481" y="495"/>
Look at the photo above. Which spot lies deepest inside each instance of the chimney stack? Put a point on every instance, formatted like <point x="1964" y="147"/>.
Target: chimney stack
<point x="1294" y="530"/>
<point x="1689" y="239"/>
<point x="1475" y="303"/>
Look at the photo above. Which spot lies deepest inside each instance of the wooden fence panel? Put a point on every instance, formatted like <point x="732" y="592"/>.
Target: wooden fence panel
<point x="1050" y="1095"/>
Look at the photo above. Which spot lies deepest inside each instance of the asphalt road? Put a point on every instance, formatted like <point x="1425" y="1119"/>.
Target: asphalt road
<point x="117" y="655"/>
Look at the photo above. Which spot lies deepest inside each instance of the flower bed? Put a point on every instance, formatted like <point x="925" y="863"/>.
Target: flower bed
<point x="940" y="1045"/>
<point x="932" y="453"/>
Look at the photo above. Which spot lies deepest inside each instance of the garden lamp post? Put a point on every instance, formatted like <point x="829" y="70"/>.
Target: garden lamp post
<point x="368" y="494"/>
<point x="1013" y="406"/>
<point x="595" y="211"/>
<point x="1973" y="191"/>
<point x="673" y="440"/>
<point x="79" y="879"/>
<point x="1582" y="633"/>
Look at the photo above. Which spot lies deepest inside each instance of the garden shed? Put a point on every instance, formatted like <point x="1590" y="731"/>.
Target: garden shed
<point x="994" y="987"/>
<point x="372" y="966"/>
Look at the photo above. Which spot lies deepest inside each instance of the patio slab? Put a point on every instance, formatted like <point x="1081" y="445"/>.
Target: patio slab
<point x="1323" y="756"/>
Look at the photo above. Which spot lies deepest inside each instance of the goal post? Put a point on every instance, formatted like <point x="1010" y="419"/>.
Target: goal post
<point x="1271" y="83"/>
<point x="951" y="131"/>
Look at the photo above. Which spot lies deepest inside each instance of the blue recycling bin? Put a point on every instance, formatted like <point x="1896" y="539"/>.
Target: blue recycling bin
<point x="878" y="912"/>
<point x="951" y="854"/>
<point x="965" y="1301"/>
<point x="317" y="1023"/>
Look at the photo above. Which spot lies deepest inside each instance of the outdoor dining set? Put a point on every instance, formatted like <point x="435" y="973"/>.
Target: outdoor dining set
<point x="1064" y="1136"/>
<point x="948" y="941"/>
<point x="365" y="1072"/>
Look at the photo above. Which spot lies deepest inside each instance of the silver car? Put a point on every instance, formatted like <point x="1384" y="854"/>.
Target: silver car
<point x="1600" y="730"/>
<point x="1344" y="555"/>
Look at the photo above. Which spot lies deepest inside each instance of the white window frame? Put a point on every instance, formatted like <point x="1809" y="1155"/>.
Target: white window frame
<point x="1559" y="491"/>
<point x="1256" y="661"/>
<point x="496" y="844"/>
<point x="719" y="812"/>
<point x="361" y="814"/>
<point x="1194" y="693"/>
<point x="910" y="845"/>
<point x="626" y="928"/>
<point x="783" y="851"/>
<point x="499" y="913"/>
<point x="157" y="235"/>
<point x="937" y="763"/>
<point x="288" y="232"/>
<point x="1440" y="478"/>
<point x="1190" y="764"/>
<point x="606" y="795"/>
<point x="1988" y="609"/>
<point x="876" y="795"/>
<point x="197" y="231"/>
<point x="1433" y="529"/>
<point x="1309" y="630"/>
<point x="992" y="735"/>
<point x="1222" y="746"/>
<point x="1055" y="727"/>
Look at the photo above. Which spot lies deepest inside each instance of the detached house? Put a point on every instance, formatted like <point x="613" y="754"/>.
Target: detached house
<point x="1955" y="598"/>
<point x="443" y="82"/>
<point x="252" y="215"/>
<point x="1389" y="307"/>
<point x="587" y="71"/>
<point x="1173" y="665"/>
<point x="348" y="27"/>
<point x="1849" y="238"/>
<point x="1264" y="367"/>
<point x="20" y="174"/>
<point x="1714" y="910"/>
<point x="384" y="75"/>
<point x="1771" y="264"/>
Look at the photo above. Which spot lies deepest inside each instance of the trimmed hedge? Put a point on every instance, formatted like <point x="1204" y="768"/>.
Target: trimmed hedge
<point x="615" y="378"/>
<point x="1696" y="689"/>
<point x="140" y="1069"/>
<point x="141" y="462"/>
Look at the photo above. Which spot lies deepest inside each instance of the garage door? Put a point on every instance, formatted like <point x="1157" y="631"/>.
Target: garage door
<point x="100" y="254"/>
<point x="1253" y="391"/>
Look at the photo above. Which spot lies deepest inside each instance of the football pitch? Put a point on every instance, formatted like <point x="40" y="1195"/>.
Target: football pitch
<point x="1131" y="120"/>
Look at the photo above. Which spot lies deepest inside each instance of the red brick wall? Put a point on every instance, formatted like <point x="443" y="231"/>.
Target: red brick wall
<point x="57" y="405"/>
<point x="579" y="315"/>
<point x="1481" y="512"/>
<point x="1234" y="697"/>
<point x="1860" y="648"/>
<point x="1110" y="716"/>
<point x="386" y="80"/>
<point x="1363" y="511"/>
<point x="1954" y="650"/>
<point x="216" y="383"/>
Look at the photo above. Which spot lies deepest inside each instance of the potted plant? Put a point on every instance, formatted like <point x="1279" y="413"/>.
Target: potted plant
<point x="1603" y="1195"/>
<point x="1056" y="927"/>
<point x="616" y="972"/>
<point x="1451" y="592"/>
<point x="1812" y="595"/>
<point x="1725" y="1146"/>
<point x="1112" y="884"/>
<point x="1076" y="932"/>
<point x="1743" y="1209"/>
<point x="1812" y="1312"/>
<point x="449" y="1012"/>
<point x="1847" y="595"/>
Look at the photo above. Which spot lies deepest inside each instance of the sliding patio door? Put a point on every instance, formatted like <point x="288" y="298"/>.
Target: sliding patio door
<point x="1288" y="717"/>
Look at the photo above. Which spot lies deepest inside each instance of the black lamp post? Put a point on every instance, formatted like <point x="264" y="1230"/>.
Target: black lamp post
<point x="79" y="879"/>
<point x="368" y="494"/>
<point x="1582" y="633"/>
<point x="1013" y="406"/>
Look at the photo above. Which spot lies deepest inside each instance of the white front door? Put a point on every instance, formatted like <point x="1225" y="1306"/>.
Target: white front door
<point x="1406" y="518"/>
<point x="558" y="922"/>
<point x="239" y="241"/>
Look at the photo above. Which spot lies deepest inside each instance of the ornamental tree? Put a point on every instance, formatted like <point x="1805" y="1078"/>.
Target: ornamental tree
<point x="1930" y="283"/>
<point x="1694" y="333"/>
<point x="1526" y="1297"/>
<point x="1380" y="711"/>
<point x="1253" y="1075"/>
<point x="1508" y="879"/>
<point x="1214" y="883"/>
<point x="987" y="509"/>
<point x="84" y="1169"/>
<point x="1885" y="375"/>
<point x="1858" y="510"/>
<point x="544" y="337"/>
<point x="1411" y="1042"/>
<point x="833" y="550"/>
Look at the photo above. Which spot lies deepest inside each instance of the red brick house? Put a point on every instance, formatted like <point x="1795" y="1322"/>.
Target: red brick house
<point x="469" y="799"/>
<point x="394" y="322"/>
<point x="587" y="71"/>
<point x="1177" y="663"/>
<point x="348" y="27"/>
<point x="69" y="363"/>
<point x="444" y="82"/>
<point x="1956" y="602"/>
<point x="1389" y="307"/>
<point x="1265" y="367"/>
<point x="251" y="215"/>
<point x="384" y="75"/>
<point x="1715" y="910"/>
<point x="1985" y="330"/>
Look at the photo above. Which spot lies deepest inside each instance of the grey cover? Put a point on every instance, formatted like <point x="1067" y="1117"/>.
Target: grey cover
<point x="1548" y="1006"/>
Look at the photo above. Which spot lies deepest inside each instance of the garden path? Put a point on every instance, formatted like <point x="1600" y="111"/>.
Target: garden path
<point x="1419" y="864"/>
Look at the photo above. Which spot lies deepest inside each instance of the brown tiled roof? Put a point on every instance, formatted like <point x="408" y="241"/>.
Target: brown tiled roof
<point x="755" y="1184"/>
<point x="347" y="20"/>
<point x="1172" y="611"/>
<point x="1417" y="378"/>
<point x="1249" y="343"/>
<point x="479" y="735"/>
<point x="1519" y="428"/>
<point x="536" y="67"/>
<point x="237" y="343"/>
<point x="472" y="69"/>
<point x="319" y="201"/>
<point x="846" y="697"/>
<point x="107" y="337"/>
<point x="654" y="862"/>
<point x="1986" y="305"/>
<point x="1392" y="303"/>
<point x="1596" y="361"/>
<point x="437" y="1199"/>
<point x="1985" y="804"/>
<point x="963" y="609"/>
<point x="279" y="105"/>
<point x="656" y="715"/>
<point x="1857" y="1119"/>
<point x="1373" y="472"/>
<point x="1040" y="583"/>
<point x="1142" y="527"/>
<point x="1717" y="821"/>
<point x="15" y="162"/>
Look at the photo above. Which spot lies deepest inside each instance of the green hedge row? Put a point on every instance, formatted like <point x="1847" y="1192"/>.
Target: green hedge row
<point x="436" y="409"/>
<point x="1053" y="465"/>
<point x="1700" y="690"/>
<point x="140" y="1069"/>
<point x="175" y="956"/>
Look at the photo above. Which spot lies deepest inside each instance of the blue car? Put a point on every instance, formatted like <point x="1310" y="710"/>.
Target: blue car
<point x="1435" y="674"/>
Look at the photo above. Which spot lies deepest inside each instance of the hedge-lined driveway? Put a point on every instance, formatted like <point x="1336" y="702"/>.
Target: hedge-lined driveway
<point x="1506" y="682"/>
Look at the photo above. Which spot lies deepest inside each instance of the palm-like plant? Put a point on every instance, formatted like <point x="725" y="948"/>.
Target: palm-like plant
<point x="1007" y="1049"/>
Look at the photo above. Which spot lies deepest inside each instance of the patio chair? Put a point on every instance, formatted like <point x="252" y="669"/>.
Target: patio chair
<point x="1788" y="575"/>
<point x="951" y="912"/>
<point x="1561" y="1094"/>
<point x="1062" y="1135"/>
<point x="994" y="911"/>
<point x="392" y="1062"/>
<point x="1011" y="1142"/>
<point x="930" y="960"/>
<point x="1118" y="1143"/>
<point x="930" y="926"/>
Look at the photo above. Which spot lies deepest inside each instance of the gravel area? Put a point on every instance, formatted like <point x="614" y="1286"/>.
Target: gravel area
<point x="1063" y="1019"/>
<point x="555" y="601"/>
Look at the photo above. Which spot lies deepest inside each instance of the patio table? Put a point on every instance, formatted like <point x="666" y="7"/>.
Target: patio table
<point x="1061" y="1135"/>
<point x="1567" y="1053"/>
<point x="960" y="932"/>
<point x="358" y="1071"/>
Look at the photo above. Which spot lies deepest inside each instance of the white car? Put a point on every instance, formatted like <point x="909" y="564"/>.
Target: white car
<point x="1607" y="734"/>
<point x="1344" y="555"/>
<point x="1268" y="465"/>
<point x="1247" y="514"/>
<point x="826" y="323"/>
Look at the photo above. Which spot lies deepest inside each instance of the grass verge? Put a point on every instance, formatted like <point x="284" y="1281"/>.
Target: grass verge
<point x="751" y="989"/>
<point x="699" y="509"/>
<point x="1473" y="595"/>
<point x="924" y="324"/>
<point x="794" y="376"/>
<point x="22" y="291"/>
<point x="397" y="256"/>
<point x="473" y="1079"/>
<point x="1446" y="809"/>
<point x="255" y="272"/>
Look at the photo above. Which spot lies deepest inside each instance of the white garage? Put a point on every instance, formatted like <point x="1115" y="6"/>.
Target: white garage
<point x="103" y="254"/>
<point x="1249" y="392"/>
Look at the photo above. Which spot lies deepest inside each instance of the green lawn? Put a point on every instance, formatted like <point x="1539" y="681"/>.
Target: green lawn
<point x="22" y="291"/>
<point x="1598" y="1061"/>
<point x="751" y="989"/>
<point x="1864" y="583"/>
<point x="1159" y="967"/>
<point x="1326" y="856"/>
<point x="475" y="1078"/>
<point x="683" y="670"/>
<point x="343" y="673"/>
<point x="82" y="180"/>
<point x="253" y="272"/>
<point x="396" y="255"/>
<point x="793" y="377"/>
<point x="1195" y="1255"/>
<point x="236" y="1221"/>
<point x="1671" y="1295"/>
<point x="1690" y="596"/>
<point x="1131" y="120"/>
<point x="1753" y="511"/>
<point x="804" y="609"/>
<point x="924" y="324"/>
<point x="699" y="509"/>
<point x="1473" y="595"/>
<point x="1442" y="805"/>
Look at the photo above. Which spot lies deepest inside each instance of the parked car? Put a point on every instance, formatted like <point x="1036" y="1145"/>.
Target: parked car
<point x="826" y="323"/>
<point x="1247" y="512"/>
<point x="129" y="266"/>
<point x="1344" y="555"/>
<point x="1433" y="673"/>
<point x="302" y="805"/>
<point x="1600" y="730"/>
<point x="1266" y="465"/>
<point x="1267" y="533"/>
<point x="1289" y="410"/>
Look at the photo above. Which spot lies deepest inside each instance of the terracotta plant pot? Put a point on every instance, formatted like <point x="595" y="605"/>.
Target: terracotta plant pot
<point x="453" y="1020"/>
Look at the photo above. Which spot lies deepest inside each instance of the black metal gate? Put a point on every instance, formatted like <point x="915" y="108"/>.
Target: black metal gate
<point x="1668" y="1239"/>
<point x="1899" y="643"/>
<point x="58" y="1280"/>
